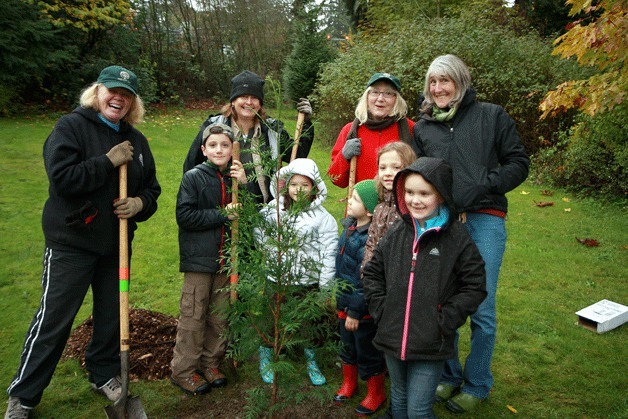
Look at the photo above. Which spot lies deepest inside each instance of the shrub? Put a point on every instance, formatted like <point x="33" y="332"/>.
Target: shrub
<point x="8" y="95"/>
<point x="592" y="158"/>
<point x="272" y="310"/>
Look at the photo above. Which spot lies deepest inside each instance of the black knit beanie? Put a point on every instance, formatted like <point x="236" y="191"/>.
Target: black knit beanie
<point x="247" y="83"/>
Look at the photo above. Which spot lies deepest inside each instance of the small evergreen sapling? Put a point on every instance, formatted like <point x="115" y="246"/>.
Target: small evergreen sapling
<point x="271" y="309"/>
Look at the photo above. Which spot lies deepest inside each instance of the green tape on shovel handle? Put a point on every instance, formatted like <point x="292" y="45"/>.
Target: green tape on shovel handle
<point x="124" y="279"/>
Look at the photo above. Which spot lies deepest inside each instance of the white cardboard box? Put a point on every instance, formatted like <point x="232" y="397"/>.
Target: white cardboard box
<point x="603" y="316"/>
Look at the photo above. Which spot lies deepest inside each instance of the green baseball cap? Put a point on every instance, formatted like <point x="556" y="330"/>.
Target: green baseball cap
<point x="116" y="76"/>
<point x="385" y="76"/>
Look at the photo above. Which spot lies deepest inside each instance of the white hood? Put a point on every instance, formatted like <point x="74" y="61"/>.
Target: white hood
<point x="304" y="167"/>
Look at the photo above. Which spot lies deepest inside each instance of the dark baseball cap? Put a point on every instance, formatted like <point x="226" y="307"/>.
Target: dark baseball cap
<point x="385" y="76"/>
<point x="116" y="76"/>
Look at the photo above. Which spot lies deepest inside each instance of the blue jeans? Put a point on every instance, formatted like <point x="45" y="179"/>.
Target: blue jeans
<point x="489" y="234"/>
<point x="412" y="387"/>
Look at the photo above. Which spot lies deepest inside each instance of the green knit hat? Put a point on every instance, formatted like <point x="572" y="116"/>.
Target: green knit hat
<point x="368" y="194"/>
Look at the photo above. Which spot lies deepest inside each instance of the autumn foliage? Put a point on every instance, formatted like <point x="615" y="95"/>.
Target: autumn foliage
<point x="595" y="42"/>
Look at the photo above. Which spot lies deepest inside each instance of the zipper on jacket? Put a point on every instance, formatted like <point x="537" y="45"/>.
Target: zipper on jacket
<point x="413" y="265"/>
<point x="406" y="320"/>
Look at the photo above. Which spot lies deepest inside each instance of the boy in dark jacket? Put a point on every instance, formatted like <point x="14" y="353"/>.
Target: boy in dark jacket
<point x="425" y="278"/>
<point x="201" y="204"/>
<point x="354" y="322"/>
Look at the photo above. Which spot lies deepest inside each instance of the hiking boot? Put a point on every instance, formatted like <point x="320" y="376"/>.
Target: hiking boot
<point x="193" y="385"/>
<point x="15" y="410"/>
<point x="214" y="377"/>
<point x="316" y="376"/>
<point x="112" y="389"/>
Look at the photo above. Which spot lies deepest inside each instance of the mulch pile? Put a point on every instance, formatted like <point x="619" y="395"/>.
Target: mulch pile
<point x="152" y="341"/>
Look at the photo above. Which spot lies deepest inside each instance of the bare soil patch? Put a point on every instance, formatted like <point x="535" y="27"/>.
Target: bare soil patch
<point x="153" y="336"/>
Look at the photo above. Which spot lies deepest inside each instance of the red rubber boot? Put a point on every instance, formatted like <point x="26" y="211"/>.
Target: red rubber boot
<point x="349" y="383"/>
<point x="375" y="397"/>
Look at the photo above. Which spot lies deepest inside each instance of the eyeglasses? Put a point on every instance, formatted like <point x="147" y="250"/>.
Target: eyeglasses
<point x="374" y="94"/>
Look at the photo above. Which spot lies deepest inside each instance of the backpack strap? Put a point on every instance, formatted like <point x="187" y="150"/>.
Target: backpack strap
<point x="404" y="131"/>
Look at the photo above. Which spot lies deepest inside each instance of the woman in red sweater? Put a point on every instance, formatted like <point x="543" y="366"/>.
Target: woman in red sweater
<point x="380" y="118"/>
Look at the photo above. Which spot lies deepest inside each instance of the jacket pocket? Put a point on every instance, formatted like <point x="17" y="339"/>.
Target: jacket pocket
<point x="82" y="216"/>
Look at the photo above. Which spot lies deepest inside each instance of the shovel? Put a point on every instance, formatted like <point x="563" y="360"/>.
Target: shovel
<point x="126" y="406"/>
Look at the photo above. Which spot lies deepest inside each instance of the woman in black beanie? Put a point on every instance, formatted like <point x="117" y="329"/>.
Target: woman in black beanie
<point x="245" y="114"/>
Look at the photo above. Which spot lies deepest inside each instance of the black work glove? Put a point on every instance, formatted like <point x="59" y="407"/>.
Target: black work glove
<point x="353" y="147"/>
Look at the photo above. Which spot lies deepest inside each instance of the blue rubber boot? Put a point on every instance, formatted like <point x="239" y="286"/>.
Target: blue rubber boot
<point x="268" y="375"/>
<point x="316" y="376"/>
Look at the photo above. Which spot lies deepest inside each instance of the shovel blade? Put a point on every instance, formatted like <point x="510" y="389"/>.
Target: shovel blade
<point x="131" y="408"/>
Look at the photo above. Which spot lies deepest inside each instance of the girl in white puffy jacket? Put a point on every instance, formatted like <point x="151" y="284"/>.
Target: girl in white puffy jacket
<point x="316" y="239"/>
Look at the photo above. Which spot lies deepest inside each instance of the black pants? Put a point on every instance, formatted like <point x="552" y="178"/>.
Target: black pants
<point x="66" y="278"/>
<point x="357" y="348"/>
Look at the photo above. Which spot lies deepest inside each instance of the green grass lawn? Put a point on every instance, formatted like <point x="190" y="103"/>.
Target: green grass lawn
<point x="545" y="365"/>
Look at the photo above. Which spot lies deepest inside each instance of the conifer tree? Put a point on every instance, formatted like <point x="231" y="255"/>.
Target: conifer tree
<point x="271" y="309"/>
<point x="310" y="50"/>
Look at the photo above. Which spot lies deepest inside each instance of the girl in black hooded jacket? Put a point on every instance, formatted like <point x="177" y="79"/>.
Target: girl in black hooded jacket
<point x="426" y="276"/>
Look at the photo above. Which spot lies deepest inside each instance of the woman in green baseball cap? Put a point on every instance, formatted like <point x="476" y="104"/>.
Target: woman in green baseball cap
<point x="82" y="155"/>
<point x="380" y="118"/>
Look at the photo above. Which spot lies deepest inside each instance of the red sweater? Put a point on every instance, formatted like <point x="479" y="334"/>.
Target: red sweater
<point x="366" y="167"/>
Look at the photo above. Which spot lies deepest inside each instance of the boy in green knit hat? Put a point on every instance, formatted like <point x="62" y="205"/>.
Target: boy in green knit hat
<point x="356" y="326"/>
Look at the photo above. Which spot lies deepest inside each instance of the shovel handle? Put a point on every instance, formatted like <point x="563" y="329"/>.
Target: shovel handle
<point x="124" y="267"/>
<point x="233" y="278"/>
<point x="297" y="135"/>
<point x="352" y="170"/>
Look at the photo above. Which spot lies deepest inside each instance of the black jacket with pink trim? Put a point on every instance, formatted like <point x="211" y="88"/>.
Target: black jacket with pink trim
<point x="420" y="289"/>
